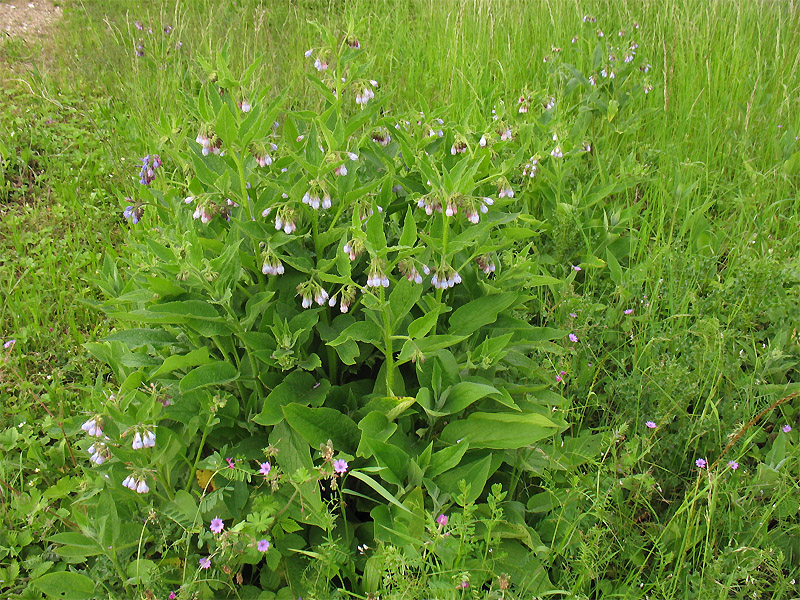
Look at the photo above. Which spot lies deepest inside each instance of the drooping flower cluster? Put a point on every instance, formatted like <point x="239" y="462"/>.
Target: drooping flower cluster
<point x="147" y="174"/>
<point x="409" y="270"/>
<point x="93" y="426"/>
<point x="531" y="167"/>
<point x="133" y="212"/>
<point x="146" y="439"/>
<point x="211" y="143"/>
<point x="312" y="199"/>
<point x="444" y="278"/>
<point x="381" y="136"/>
<point x="486" y="264"/>
<point x="136" y="483"/>
<point x="366" y="94"/>
<point x="311" y="292"/>
<point x="99" y="452"/>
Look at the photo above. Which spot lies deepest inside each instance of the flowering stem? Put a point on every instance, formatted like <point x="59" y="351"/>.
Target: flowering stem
<point x="199" y="452"/>
<point x="387" y="343"/>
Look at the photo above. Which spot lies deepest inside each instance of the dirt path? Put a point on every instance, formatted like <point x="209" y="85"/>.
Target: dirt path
<point x="27" y="19"/>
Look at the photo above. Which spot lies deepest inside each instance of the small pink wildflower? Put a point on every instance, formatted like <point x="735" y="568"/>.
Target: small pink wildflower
<point x="573" y="338"/>
<point x="9" y="344"/>
<point x="701" y="463"/>
<point x="441" y="520"/>
<point x="340" y="466"/>
<point x="733" y="464"/>
<point x="231" y="463"/>
<point x="628" y="311"/>
<point x="651" y="425"/>
<point x="559" y="379"/>
<point x="263" y="545"/>
<point x="786" y="428"/>
<point x="265" y="468"/>
<point x="205" y="563"/>
<point x="172" y="596"/>
<point x="576" y="268"/>
<point x="217" y="525"/>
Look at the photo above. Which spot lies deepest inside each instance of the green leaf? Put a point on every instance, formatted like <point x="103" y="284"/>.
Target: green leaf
<point x="393" y="458"/>
<point x="255" y="307"/>
<point x="613" y="267"/>
<point x="376" y="238"/>
<point x="481" y="311"/>
<point x="76" y="544"/>
<point x="65" y="584"/>
<point x="475" y="473"/>
<point x="463" y="394"/>
<point x="136" y="338"/>
<point x="419" y="328"/>
<point x="318" y="425"/>
<point x="182" y="361"/>
<point x="446" y="459"/>
<point x="378" y="488"/>
<point x="427" y="345"/>
<point x="403" y="298"/>
<point x="225" y="125"/>
<point x="298" y="386"/>
<point x="216" y="373"/>
<point x="537" y="280"/>
<point x="409" y="235"/>
<point x="500" y="430"/>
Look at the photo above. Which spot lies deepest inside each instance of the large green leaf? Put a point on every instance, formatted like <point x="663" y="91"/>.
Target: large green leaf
<point x="318" y="425"/>
<point x="481" y="311"/>
<point x="500" y="430"/>
<point x="463" y="394"/>
<point x="475" y="473"/>
<point x="182" y="361"/>
<point x="135" y="338"/>
<point x="215" y="373"/>
<point x="65" y="584"/>
<point x="300" y="387"/>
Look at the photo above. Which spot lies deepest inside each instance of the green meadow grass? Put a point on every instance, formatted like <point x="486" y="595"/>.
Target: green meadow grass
<point x="713" y="276"/>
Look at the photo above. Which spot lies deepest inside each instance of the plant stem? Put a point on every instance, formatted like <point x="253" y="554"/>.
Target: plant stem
<point x="387" y="343"/>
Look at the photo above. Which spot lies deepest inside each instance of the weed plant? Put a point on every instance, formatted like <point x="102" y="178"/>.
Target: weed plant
<point x="641" y="311"/>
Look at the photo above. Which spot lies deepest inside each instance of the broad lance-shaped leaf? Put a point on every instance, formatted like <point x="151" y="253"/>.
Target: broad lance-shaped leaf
<point x="318" y="425"/>
<point x="216" y="373"/>
<point x="136" y="338"/>
<point x="500" y="430"/>
<point x="463" y="394"/>
<point x="302" y="388"/>
<point x="482" y="311"/>
<point x="195" y="358"/>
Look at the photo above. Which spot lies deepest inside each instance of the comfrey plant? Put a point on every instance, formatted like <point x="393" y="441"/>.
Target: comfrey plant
<point x="324" y="331"/>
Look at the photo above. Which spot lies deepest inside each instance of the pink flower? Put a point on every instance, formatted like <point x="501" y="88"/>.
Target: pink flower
<point x="265" y="468"/>
<point x="172" y="596"/>
<point x="786" y="428"/>
<point x="217" y="525"/>
<point x="576" y="268"/>
<point x="573" y="338"/>
<point x="263" y="545"/>
<point x="628" y="311"/>
<point x="340" y="466"/>
<point x="231" y="463"/>
<point x="442" y="520"/>
<point x="651" y="425"/>
<point x="701" y="463"/>
<point x="733" y="464"/>
<point x="205" y="562"/>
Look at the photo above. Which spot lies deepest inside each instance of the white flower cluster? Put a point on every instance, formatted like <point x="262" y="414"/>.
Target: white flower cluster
<point x="137" y="485"/>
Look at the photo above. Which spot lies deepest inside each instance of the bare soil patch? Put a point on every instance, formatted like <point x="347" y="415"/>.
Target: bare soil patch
<point x="27" y="19"/>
